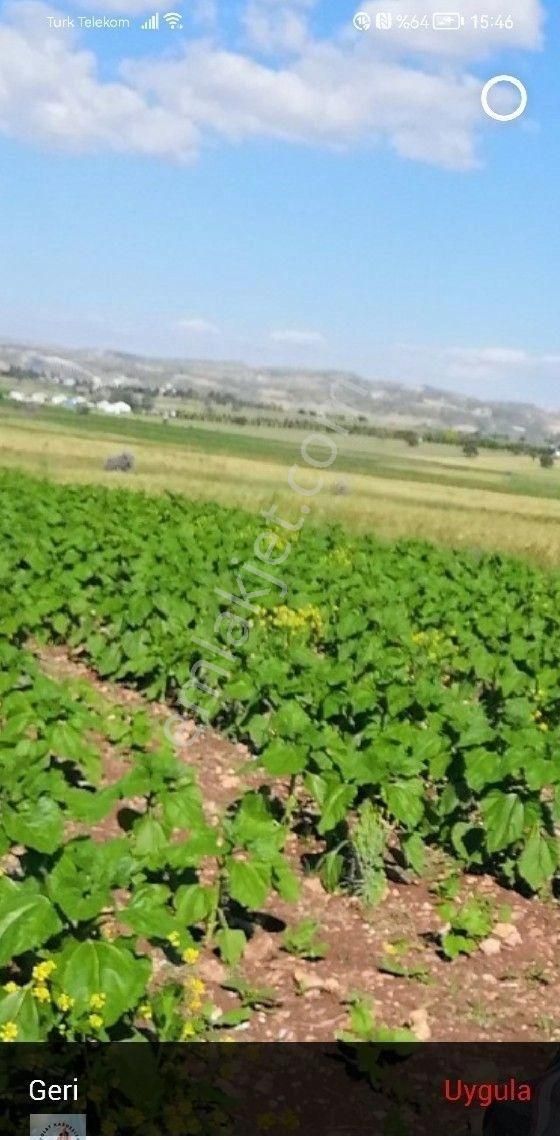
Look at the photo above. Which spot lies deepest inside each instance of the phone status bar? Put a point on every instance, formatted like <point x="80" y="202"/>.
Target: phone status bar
<point x="170" y="21"/>
<point x="432" y="21"/>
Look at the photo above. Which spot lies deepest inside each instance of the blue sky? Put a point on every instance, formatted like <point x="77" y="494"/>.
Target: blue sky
<point x="269" y="184"/>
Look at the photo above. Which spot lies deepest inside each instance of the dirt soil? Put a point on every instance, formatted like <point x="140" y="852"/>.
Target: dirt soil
<point x="507" y="991"/>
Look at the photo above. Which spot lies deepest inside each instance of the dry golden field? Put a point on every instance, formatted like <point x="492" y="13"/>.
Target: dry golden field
<point x="494" y="502"/>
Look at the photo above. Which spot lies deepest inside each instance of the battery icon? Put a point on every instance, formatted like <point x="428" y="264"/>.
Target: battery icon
<point x="447" y="21"/>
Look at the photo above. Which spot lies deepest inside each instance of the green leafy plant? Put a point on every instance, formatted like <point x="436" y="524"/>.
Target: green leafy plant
<point x="399" y="970"/>
<point x="368" y="843"/>
<point x="365" y="1027"/>
<point x="303" y="941"/>
<point x="252" y="996"/>
<point x="384" y="690"/>
<point x="467" y="924"/>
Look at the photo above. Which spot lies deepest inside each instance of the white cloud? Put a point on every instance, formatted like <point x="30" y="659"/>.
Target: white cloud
<point x="51" y="92"/>
<point x="351" y="90"/>
<point x="204" y="12"/>
<point x="492" y="372"/>
<point x="198" y="326"/>
<point x="495" y="357"/>
<point x="277" y="26"/>
<point x="325" y="98"/>
<point x="303" y="338"/>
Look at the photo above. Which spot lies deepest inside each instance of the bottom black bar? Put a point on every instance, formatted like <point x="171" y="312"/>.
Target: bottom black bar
<point x="229" y="1088"/>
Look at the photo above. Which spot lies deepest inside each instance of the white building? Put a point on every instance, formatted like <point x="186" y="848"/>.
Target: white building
<point x="117" y="409"/>
<point x="19" y="396"/>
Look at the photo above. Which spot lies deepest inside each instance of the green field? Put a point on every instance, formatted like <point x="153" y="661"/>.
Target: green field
<point x="392" y="697"/>
<point x="494" y="501"/>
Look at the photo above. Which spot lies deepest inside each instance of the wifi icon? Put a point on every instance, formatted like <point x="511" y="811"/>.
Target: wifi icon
<point x="173" y="20"/>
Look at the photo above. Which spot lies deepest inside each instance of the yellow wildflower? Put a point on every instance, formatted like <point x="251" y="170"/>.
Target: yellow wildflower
<point x="97" y="1001"/>
<point x="43" y="970"/>
<point x="195" y="985"/>
<point x="145" y="1010"/>
<point x="8" y="1031"/>
<point x="282" y="617"/>
<point x="190" y="955"/>
<point x="41" y="992"/>
<point x="11" y="988"/>
<point x="64" y="1002"/>
<point x="95" y="1021"/>
<point x="187" y="1031"/>
<point x="174" y="938"/>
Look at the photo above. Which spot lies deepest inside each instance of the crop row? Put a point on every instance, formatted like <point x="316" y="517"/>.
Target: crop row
<point x="421" y="683"/>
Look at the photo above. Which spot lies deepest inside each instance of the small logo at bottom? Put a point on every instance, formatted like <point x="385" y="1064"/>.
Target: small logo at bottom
<point x="60" y="1125"/>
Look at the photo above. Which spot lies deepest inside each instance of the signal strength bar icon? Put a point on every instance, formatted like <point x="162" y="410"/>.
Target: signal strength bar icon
<point x="151" y="25"/>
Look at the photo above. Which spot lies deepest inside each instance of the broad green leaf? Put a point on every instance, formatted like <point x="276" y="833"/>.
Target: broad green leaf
<point x="283" y="759"/>
<point x="192" y="904"/>
<point x="39" y="825"/>
<point x="27" y="919"/>
<point x="183" y="808"/>
<point x="231" y="944"/>
<point x="21" y="1009"/>
<point x="150" y="841"/>
<point x="290" y="720"/>
<point x="405" y="801"/>
<point x="74" y="886"/>
<point x="285" y="881"/>
<point x="86" y="968"/>
<point x="538" y="860"/>
<point x="415" y="852"/>
<point x="335" y="804"/>
<point x="248" y="882"/>
<point x="147" y="913"/>
<point x="504" y="819"/>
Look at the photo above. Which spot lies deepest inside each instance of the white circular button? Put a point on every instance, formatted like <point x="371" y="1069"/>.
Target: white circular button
<point x="488" y="87"/>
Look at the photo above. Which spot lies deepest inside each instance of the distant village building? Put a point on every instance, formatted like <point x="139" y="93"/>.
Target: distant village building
<point x="19" y="396"/>
<point x="119" y="408"/>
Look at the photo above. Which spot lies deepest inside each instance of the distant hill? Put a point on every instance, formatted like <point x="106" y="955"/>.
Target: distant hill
<point x="388" y="404"/>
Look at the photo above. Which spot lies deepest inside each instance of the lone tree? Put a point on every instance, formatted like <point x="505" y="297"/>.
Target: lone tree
<point x="470" y="449"/>
<point x="546" y="459"/>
